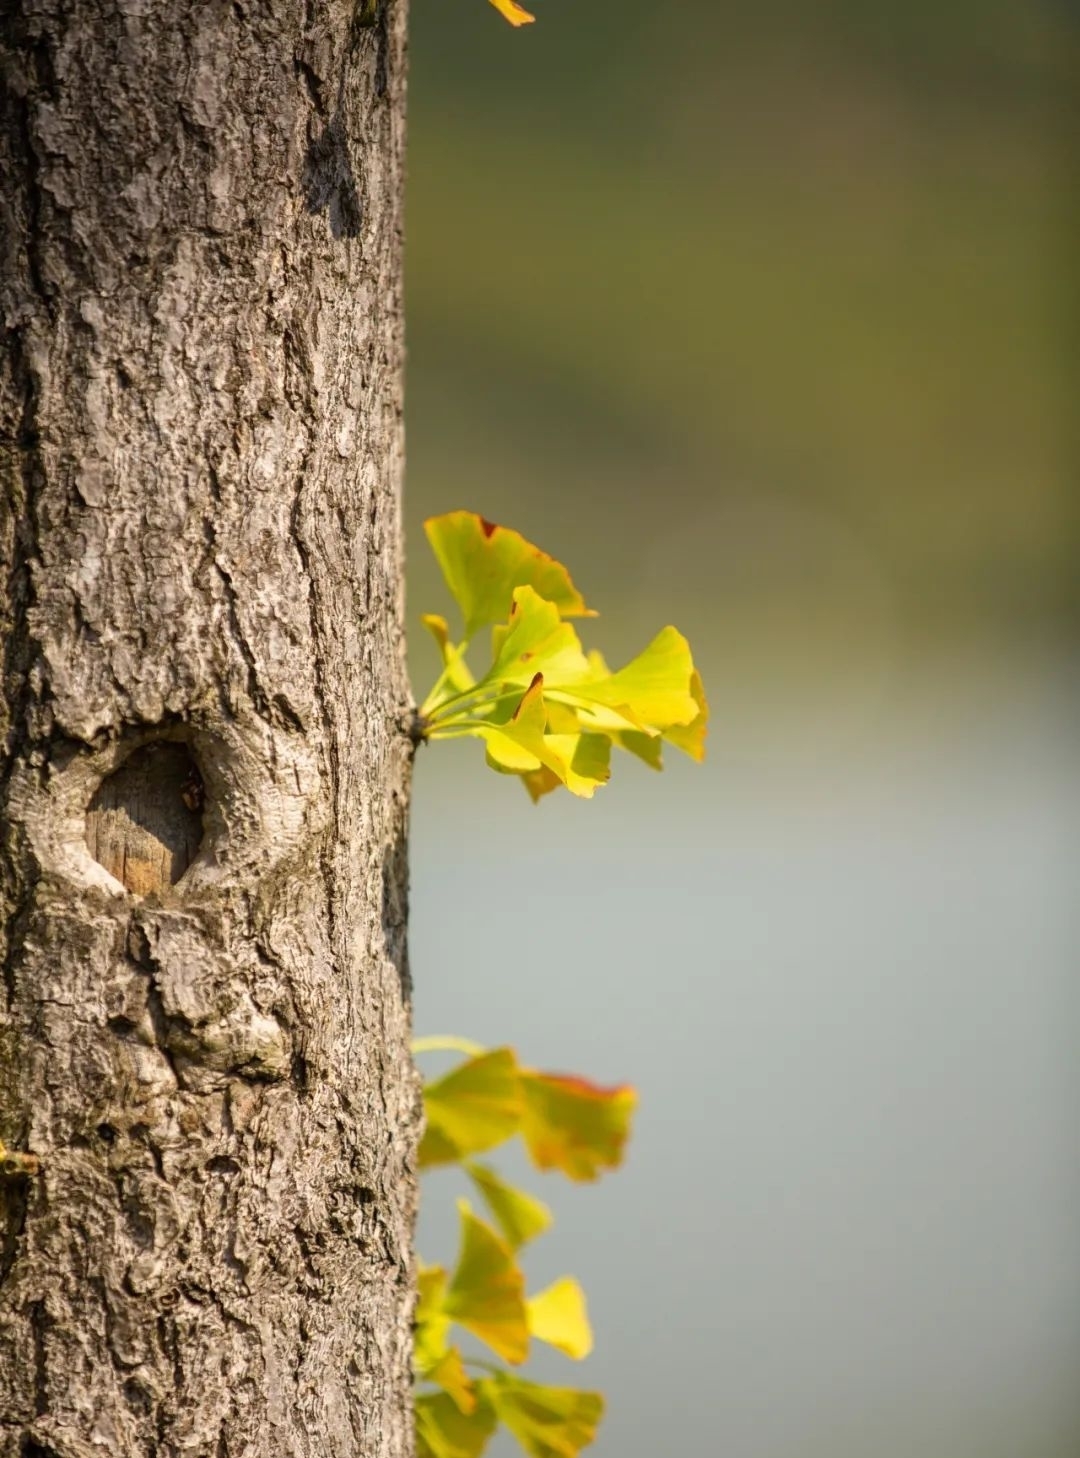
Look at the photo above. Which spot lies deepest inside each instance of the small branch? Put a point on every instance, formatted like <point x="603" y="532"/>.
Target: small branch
<point x="15" y="1165"/>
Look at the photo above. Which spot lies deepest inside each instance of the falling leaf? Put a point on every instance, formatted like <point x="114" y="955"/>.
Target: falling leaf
<point x="513" y="12"/>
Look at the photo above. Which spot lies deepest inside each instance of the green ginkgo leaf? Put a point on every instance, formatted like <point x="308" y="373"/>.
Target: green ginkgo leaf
<point x="474" y="1107"/>
<point x="536" y="640"/>
<point x="520" y="1216"/>
<point x="483" y="563"/>
<point x="653" y="691"/>
<point x="486" y="1294"/>
<point x="444" y="1431"/>
<point x="548" y="1422"/>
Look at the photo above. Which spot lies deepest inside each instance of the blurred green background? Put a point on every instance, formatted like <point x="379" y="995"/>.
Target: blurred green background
<point x="763" y="318"/>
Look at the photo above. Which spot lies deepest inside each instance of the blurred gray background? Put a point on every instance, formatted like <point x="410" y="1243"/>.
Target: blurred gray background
<point x="762" y="318"/>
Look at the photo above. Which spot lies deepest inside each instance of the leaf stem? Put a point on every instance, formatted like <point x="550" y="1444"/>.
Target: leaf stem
<point x="456" y="701"/>
<point x="484" y="1366"/>
<point x="460" y="709"/>
<point x="448" y="1043"/>
<point x="455" y="659"/>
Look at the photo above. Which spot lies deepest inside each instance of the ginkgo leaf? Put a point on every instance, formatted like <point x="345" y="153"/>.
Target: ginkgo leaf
<point x="431" y="1323"/>
<point x="558" y="1316"/>
<point x="444" y="1431"/>
<point x="573" y="1125"/>
<point x="690" y="738"/>
<point x="562" y="719"/>
<point x="519" y="745"/>
<point x="456" y="677"/>
<point x="558" y="730"/>
<point x="540" y="782"/>
<point x="487" y="1290"/>
<point x="581" y="761"/>
<point x="548" y="1422"/>
<point x="513" y="12"/>
<point x="482" y="562"/>
<point x="647" y="747"/>
<point x="536" y="641"/>
<point x="520" y="1216"/>
<point x="439" y="629"/>
<point x="515" y="740"/>
<point x="475" y="1106"/>
<point x="655" y="687"/>
<point x="449" y="1374"/>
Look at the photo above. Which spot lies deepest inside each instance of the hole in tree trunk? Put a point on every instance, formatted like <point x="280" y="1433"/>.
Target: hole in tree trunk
<point x="144" y="824"/>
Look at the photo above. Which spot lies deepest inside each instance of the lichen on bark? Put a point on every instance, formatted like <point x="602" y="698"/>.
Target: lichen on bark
<point x="200" y="444"/>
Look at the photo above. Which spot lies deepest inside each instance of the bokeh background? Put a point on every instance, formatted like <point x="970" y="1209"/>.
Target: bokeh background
<point x="762" y="318"/>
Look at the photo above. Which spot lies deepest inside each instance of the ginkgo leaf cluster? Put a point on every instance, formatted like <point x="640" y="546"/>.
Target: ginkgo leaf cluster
<point x="545" y="709"/>
<point x="566" y="1124"/>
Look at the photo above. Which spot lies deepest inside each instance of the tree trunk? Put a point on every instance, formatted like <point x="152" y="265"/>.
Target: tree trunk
<point x="204" y="1001"/>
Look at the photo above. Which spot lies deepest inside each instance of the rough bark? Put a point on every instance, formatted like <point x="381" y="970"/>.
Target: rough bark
<point x="205" y="756"/>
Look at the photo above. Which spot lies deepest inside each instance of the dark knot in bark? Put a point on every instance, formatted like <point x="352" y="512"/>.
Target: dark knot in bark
<point x="145" y="824"/>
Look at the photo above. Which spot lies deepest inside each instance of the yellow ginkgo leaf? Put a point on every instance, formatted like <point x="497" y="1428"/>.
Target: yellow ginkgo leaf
<point x="483" y="562"/>
<point x="646" y="747"/>
<point x="536" y="640"/>
<point x="654" y="689"/>
<point x="519" y="745"/>
<point x="547" y="711"/>
<point x="513" y="12"/>
<point x="431" y="1323"/>
<point x="540" y="782"/>
<point x="487" y="1290"/>
<point x="690" y="738"/>
<point x="557" y="1315"/>
<point x="455" y="678"/>
<point x="573" y="1125"/>
<point x="449" y="1374"/>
